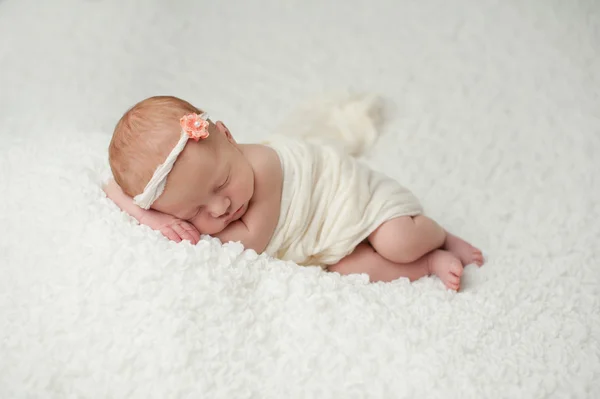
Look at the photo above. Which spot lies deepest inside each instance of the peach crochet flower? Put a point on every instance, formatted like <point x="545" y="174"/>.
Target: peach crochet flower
<point x="194" y="126"/>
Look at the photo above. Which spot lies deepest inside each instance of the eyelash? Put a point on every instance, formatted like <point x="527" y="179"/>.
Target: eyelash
<point x="224" y="184"/>
<point x="218" y="189"/>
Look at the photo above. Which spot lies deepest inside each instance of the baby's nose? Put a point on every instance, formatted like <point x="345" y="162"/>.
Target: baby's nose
<point x="221" y="207"/>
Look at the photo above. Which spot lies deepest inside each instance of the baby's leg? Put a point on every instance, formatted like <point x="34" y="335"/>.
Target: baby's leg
<point x="365" y="259"/>
<point x="405" y="239"/>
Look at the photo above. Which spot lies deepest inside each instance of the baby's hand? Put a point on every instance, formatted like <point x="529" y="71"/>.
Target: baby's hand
<point x="171" y="227"/>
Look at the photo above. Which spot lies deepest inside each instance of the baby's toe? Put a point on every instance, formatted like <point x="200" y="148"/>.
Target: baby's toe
<point x="478" y="259"/>
<point x="454" y="280"/>
<point x="453" y="286"/>
<point x="456" y="269"/>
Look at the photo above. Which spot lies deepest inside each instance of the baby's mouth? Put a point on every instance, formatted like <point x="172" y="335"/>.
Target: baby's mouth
<point x="235" y="215"/>
<point x="238" y="212"/>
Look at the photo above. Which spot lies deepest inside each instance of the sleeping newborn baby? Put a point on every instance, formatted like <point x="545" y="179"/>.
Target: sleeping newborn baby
<point x="177" y="171"/>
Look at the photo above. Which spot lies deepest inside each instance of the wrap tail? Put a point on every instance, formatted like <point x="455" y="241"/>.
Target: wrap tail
<point x="351" y="121"/>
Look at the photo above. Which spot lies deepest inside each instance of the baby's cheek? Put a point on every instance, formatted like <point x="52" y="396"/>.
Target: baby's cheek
<point x="197" y="225"/>
<point x="200" y="224"/>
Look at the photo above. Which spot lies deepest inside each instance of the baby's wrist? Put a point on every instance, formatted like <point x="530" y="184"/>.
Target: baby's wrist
<point x="143" y="216"/>
<point x="123" y="201"/>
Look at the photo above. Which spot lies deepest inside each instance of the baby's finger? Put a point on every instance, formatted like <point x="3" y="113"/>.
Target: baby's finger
<point x="183" y="233"/>
<point x="193" y="232"/>
<point x="171" y="235"/>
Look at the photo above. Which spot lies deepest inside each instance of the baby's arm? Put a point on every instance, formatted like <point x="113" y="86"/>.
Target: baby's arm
<point x="123" y="201"/>
<point x="252" y="230"/>
<point x="171" y="227"/>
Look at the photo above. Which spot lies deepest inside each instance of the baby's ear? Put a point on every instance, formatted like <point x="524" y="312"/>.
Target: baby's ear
<point x="223" y="129"/>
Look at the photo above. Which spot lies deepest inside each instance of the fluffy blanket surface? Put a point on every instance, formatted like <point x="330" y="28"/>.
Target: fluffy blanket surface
<point x="495" y="128"/>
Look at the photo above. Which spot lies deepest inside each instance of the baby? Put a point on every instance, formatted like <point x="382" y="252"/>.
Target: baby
<point x="179" y="172"/>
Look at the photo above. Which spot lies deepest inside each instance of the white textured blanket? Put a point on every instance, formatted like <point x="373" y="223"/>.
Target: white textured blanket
<point x="495" y="125"/>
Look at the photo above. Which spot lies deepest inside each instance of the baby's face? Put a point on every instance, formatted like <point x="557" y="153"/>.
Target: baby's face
<point x="211" y="183"/>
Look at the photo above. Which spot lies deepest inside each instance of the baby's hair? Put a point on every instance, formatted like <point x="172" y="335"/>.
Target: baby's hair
<point x="143" y="138"/>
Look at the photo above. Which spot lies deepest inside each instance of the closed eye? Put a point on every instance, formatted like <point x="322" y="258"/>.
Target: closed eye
<point x="222" y="186"/>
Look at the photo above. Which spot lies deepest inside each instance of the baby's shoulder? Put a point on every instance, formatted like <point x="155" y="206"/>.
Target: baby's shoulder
<point x="263" y="158"/>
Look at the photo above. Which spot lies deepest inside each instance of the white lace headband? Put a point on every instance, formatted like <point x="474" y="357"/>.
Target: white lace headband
<point x="193" y="126"/>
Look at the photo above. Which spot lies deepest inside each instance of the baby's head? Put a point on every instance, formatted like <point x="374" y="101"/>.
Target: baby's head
<point x="211" y="178"/>
<point x="143" y="138"/>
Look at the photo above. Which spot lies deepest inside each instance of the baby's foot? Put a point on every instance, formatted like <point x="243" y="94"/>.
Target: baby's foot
<point x="447" y="267"/>
<point x="463" y="250"/>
